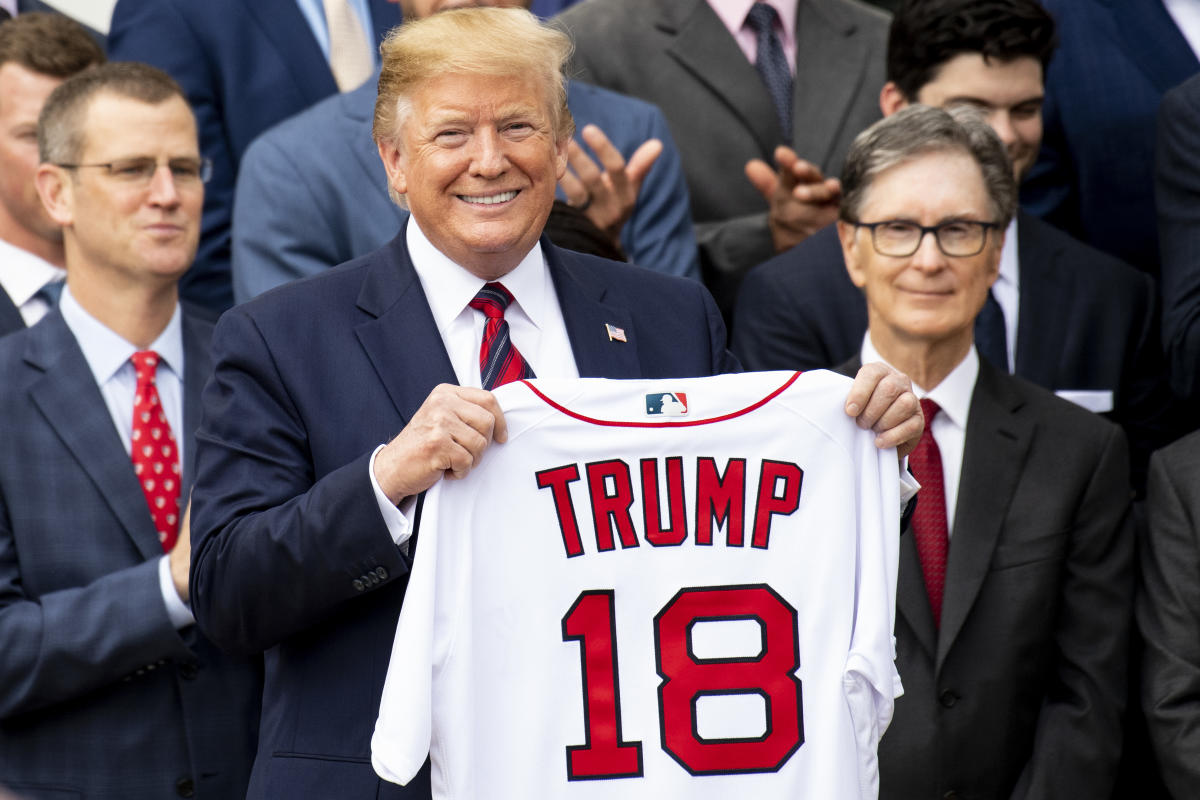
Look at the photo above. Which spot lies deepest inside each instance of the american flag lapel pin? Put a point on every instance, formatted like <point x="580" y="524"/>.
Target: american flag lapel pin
<point x="615" y="334"/>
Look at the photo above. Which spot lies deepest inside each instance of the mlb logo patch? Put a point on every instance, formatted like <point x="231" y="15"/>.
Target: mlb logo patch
<point x="666" y="404"/>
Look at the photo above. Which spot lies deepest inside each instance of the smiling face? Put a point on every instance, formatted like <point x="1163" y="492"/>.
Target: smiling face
<point x="477" y="160"/>
<point x="120" y="231"/>
<point x="1009" y="94"/>
<point x="927" y="297"/>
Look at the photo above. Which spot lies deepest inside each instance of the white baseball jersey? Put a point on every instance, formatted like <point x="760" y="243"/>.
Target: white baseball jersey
<point x="655" y="589"/>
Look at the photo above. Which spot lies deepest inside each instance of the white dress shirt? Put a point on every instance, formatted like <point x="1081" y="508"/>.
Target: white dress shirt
<point x="949" y="428"/>
<point x="534" y="319"/>
<point x="314" y="14"/>
<point x="22" y="274"/>
<point x="107" y="355"/>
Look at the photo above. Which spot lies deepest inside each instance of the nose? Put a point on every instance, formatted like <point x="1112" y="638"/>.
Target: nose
<point x="163" y="191"/>
<point x="1001" y="123"/>
<point x="929" y="257"/>
<point x="488" y="159"/>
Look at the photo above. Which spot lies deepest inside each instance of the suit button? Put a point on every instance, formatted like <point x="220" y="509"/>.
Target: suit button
<point x="358" y="585"/>
<point x="188" y="671"/>
<point x="381" y="573"/>
<point x="185" y="788"/>
<point x="948" y="698"/>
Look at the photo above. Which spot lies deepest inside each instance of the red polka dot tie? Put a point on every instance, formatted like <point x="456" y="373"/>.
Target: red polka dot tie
<point x="499" y="360"/>
<point x="155" y="456"/>
<point x="929" y="518"/>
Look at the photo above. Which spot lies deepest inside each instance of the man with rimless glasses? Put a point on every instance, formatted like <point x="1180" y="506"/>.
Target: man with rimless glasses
<point x="1015" y="579"/>
<point x="107" y="688"/>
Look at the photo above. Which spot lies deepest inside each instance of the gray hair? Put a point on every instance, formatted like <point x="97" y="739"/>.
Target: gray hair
<point x="919" y="130"/>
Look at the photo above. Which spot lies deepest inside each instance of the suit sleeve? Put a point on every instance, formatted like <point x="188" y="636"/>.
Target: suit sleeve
<point x="659" y="234"/>
<point x="1077" y="744"/>
<point x="1177" y="187"/>
<point x="60" y="645"/>
<point x="275" y="549"/>
<point x="772" y="327"/>
<point x="155" y="32"/>
<point x="1168" y="607"/>
<point x="279" y="232"/>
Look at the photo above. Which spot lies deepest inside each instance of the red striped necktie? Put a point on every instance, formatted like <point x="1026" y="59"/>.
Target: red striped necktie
<point x="499" y="360"/>
<point x="929" y="517"/>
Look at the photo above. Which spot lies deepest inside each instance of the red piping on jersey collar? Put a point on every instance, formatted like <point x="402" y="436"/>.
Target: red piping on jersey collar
<point x="680" y="424"/>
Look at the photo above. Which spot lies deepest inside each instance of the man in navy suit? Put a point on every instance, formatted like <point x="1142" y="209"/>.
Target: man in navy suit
<point x="245" y="65"/>
<point x="1066" y="316"/>
<point x="37" y="52"/>
<point x="107" y="688"/>
<point x="338" y="399"/>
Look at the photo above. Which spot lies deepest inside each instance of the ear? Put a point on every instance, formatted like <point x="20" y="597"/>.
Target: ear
<point x="57" y="191"/>
<point x="395" y="164"/>
<point x="560" y="158"/>
<point x="848" y="234"/>
<point x="891" y="99"/>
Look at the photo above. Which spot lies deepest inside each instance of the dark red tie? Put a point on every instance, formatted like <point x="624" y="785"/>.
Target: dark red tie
<point x="155" y="456"/>
<point x="499" y="360"/>
<point x="929" y="518"/>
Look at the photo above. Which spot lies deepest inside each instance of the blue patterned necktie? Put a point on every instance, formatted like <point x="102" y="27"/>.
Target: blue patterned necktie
<point x="772" y="64"/>
<point x="50" y="292"/>
<point x="991" y="339"/>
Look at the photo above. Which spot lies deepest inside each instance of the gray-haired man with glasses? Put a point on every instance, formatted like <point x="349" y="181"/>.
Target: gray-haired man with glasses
<point x="1015" y="579"/>
<point x="107" y="687"/>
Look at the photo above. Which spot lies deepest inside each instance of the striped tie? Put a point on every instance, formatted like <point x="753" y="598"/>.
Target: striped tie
<point x="499" y="361"/>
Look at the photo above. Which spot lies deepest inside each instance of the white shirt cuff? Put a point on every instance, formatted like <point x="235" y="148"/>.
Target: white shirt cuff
<point x="177" y="611"/>
<point x="398" y="525"/>
<point x="908" y="485"/>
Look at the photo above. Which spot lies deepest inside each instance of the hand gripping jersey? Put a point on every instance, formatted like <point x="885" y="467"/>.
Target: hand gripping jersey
<point x="654" y="589"/>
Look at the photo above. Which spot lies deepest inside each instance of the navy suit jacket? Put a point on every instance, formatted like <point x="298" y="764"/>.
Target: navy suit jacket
<point x="1019" y="693"/>
<point x="1094" y="176"/>
<point x="245" y="65"/>
<point x="100" y="696"/>
<point x="1085" y="321"/>
<point x="290" y="553"/>
<point x="11" y="320"/>
<point x="312" y="192"/>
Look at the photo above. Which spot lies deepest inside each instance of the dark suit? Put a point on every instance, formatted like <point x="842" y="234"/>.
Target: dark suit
<point x="1020" y="692"/>
<point x="678" y="55"/>
<point x="100" y="696"/>
<point x="245" y="65"/>
<point x="1176" y="191"/>
<point x="291" y="555"/>
<point x="1085" y="321"/>
<point x="1168" y="607"/>
<point x="1094" y="175"/>
<point x="11" y="320"/>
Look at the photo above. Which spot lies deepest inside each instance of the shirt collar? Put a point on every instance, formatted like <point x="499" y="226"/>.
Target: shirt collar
<point x="22" y="273"/>
<point x="449" y="287"/>
<point x="953" y="394"/>
<point x="732" y="14"/>
<point x="107" y="352"/>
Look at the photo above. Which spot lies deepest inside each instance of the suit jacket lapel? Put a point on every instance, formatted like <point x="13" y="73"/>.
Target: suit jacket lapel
<point x="1151" y="39"/>
<point x="401" y="339"/>
<point x="830" y="63"/>
<point x="586" y="314"/>
<point x="70" y="400"/>
<point x="11" y="320"/>
<point x="1041" y="317"/>
<point x="283" y="24"/>
<point x="704" y="47"/>
<point x="993" y="455"/>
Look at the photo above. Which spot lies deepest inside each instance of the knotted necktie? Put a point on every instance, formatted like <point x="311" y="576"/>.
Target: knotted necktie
<point x="772" y="64"/>
<point x="154" y="453"/>
<point x="50" y="292"/>
<point x="929" y="518"/>
<point x="350" y="57"/>
<point x="991" y="339"/>
<point x="499" y="360"/>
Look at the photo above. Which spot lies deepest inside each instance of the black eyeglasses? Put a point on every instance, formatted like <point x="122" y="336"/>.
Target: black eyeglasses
<point x="140" y="171"/>
<point x="900" y="238"/>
